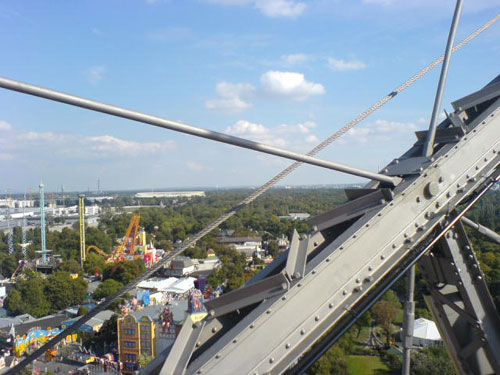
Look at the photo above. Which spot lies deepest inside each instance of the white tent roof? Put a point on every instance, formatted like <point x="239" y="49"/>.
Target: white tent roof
<point x="426" y="329"/>
<point x="181" y="286"/>
<point x="158" y="283"/>
<point x="172" y="284"/>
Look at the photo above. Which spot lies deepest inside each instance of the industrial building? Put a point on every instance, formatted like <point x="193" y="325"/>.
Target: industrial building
<point x="170" y="194"/>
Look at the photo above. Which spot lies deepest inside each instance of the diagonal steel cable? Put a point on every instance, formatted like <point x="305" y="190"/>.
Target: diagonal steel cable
<point x="257" y="193"/>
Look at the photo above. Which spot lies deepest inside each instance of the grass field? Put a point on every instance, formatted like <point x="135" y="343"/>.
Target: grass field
<point x="366" y="365"/>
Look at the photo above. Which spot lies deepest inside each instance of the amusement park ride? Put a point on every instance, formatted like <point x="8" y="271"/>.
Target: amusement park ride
<point x="128" y="248"/>
<point x="411" y="212"/>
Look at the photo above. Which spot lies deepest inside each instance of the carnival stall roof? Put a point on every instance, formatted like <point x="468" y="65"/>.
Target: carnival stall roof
<point x="170" y="285"/>
<point x="94" y="324"/>
<point x="49" y="321"/>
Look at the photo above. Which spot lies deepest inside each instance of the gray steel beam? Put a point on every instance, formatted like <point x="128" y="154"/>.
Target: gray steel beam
<point x="347" y="268"/>
<point x="61" y="97"/>
<point x="408" y="323"/>
<point x="461" y="304"/>
<point x="429" y="145"/>
<point x="485" y="231"/>
<point x="247" y="295"/>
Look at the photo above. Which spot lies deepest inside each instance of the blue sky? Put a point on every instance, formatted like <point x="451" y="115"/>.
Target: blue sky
<point x="285" y="72"/>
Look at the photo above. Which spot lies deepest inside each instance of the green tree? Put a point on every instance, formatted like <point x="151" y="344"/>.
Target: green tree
<point x="273" y="249"/>
<point x="71" y="266"/>
<point x="432" y="361"/>
<point x="62" y="290"/>
<point x="332" y="362"/>
<point x="384" y="313"/>
<point x="29" y="297"/>
<point x="94" y="263"/>
<point x="125" y="271"/>
<point x="107" y="288"/>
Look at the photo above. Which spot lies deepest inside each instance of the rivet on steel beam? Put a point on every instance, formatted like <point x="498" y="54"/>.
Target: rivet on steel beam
<point x="370" y="268"/>
<point x="448" y="194"/>
<point x="199" y="371"/>
<point x="297" y="275"/>
<point x="268" y="311"/>
<point x="316" y="318"/>
<point x="302" y="331"/>
<point x="418" y="199"/>
<point x="217" y="356"/>
<point x="330" y="305"/>
<point x="441" y="180"/>
<point x="252" y="325"/>
<point x="271" y="360"/>
<point x="358" y="280"/>
<point x="211" y="313"/>
<point x="299" y="285"/>
<point x="283" y="298"/>
<point x="287" y="345"/>
<point x="235" y="341"/>
<point x="382" y="257"/>
<point x="344" y="292"/>
<point x="327" y="259"/>
<point x="214" y="329"/>
<point x="198" y="344"/>
<point x="313" y="272"/>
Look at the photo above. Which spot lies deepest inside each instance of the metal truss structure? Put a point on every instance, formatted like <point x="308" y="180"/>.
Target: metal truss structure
<point x="277" y="323"/>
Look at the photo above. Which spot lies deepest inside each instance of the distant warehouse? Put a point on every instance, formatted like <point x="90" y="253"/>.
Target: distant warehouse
<point x="170" y="194"/>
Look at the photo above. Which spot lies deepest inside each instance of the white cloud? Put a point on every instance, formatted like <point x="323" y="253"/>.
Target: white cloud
<point x="270" y="8"/>
<point x="381" y="131"/>
<point x="231" y="96"/>
<point x="380" y="2"/>
<point x="113" y="145"/>
<point x="290" y="84"/>
<point x="4" y="125"/>
<point x="79" y="147"/>
<point x="95" y="74"/>
<point x="293" y="59"/>
<point x="342" y="65"/>
<point x="280" y="8"/>
<point x="295" y="136"/>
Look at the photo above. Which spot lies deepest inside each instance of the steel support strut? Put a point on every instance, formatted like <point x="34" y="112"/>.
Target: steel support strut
<point x="429" y="143"/>
<point x="93" y="105"/>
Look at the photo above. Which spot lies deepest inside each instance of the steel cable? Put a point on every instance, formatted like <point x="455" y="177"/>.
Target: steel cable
<point x="192" y="241"/>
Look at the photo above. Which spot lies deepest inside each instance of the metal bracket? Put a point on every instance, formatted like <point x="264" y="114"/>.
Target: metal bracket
<point x="443" y="135"/>
<point x="247" y="295"/>
<point x="297" y="255"/>
<point x="182" y="349"/>
<point x="349" y="210"/>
